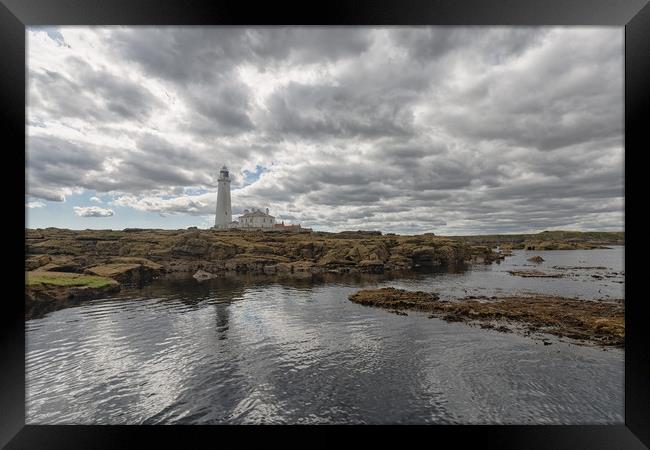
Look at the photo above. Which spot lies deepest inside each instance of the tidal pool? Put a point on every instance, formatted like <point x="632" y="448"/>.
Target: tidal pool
<point x="244" y="349"/>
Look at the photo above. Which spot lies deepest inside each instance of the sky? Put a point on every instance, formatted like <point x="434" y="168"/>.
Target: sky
<point x="450" y="130"/>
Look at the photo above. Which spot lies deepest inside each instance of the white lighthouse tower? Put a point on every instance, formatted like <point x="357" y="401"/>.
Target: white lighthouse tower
<point x="223" y="217"/>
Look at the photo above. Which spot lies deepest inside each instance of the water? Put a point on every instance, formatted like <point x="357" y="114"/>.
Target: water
<point x="262" y="350"/>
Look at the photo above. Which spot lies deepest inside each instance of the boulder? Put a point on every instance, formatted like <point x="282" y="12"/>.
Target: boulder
<point x="126" y="273"/>
<point x="34" y="262"/>
<point x="202" y="275"/>
<point x="536" y="259"/>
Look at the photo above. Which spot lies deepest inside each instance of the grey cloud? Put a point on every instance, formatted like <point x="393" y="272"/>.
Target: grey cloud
<point x="54" y="165"/>
<point x="490" y="129"/>
<point x="86" y="93"/>
<point x="180" y="54"/>
<point x="316" y="112"/>
<point x="308" y="44"/>
<point x="220" y="109"/>
<point x="198" y="54"/>
<point x="554" y="103"/>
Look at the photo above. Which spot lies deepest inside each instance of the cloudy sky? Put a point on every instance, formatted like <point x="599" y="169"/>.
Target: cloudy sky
<point x="421" y="129"/>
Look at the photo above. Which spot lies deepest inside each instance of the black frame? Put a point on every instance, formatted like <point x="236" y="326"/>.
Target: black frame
<point x="15" y="15"/>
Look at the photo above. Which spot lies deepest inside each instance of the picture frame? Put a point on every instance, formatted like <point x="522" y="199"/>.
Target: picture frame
<point x="634" y="15"/>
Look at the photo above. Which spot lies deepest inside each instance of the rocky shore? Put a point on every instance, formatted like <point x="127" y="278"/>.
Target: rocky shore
<point x="584" y="321"/>
<point x="137" y="256"/>
<point x="549" y="240"/>
<point x="47" y="291"/>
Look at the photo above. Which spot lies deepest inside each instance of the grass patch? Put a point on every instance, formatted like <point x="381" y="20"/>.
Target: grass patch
<point x="67" y="279"/>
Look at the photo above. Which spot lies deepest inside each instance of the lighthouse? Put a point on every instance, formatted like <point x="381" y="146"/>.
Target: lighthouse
<point x="223" y="216"/>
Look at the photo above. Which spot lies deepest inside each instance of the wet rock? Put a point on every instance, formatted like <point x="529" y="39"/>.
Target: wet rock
<point x="600" y="322"/>
<point x="534" y="274"/>
<point x="202" y="275"/>
<point x="393" y="298"/>
<point x="536" y="259"/>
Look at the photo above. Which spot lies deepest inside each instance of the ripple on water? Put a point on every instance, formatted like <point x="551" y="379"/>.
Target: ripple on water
<point x="255" y="351"/>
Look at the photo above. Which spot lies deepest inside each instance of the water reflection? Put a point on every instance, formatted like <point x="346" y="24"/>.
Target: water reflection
<point x="259" y="349"/>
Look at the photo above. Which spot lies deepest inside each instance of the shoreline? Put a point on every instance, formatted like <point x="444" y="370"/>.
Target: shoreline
<point x="66" y="263"/>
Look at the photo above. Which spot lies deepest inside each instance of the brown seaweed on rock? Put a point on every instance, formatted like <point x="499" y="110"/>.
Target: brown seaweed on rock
<point x="592" y="321"/>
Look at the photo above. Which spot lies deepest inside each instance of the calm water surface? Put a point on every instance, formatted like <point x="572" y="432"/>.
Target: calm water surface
<point x="262" y="350"/>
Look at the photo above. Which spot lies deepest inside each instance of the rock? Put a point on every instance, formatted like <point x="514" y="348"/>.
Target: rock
<point x="601" y="322"/>
<point x="222" y="250"/>
<point x="536" y="259"/>
<point x="125" y="273"/>
<point x="202" y="275"/>
<point x="111" y="248"/>
<point x="534" y="274"/>
<point x="61" y="286"/>
<point x="60" y="267"/>
<point x="243" y="251"/>
<point x="303" y="267"/>
<point x="279" y="268"/>
<point x="34" y="262"/>
<point x="191" y="247"/>
<point x="134" y="260"/>
<point x="393" y="298"/>
<point x="371" y="266"/>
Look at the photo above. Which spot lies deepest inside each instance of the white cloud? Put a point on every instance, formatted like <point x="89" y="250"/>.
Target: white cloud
<point x="92" y="211"/>
<point x="35" y="204"/>
<point x="96" y="199"/>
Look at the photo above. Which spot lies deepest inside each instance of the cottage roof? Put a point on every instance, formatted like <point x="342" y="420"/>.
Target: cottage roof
<point x="256" y="213"/>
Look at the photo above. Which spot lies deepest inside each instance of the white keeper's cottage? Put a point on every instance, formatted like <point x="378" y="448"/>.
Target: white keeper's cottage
<point x="256" y="219"/>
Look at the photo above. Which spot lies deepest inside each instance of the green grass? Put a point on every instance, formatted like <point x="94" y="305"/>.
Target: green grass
<point x="67" y="279"/>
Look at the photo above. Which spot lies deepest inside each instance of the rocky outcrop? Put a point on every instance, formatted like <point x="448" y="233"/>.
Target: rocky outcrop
<point x="133" y="271"/>
<point x="61" y="287"/>
<point x="136" y="256"/>
<point x="46" y="293"/>
<point x="586" y="321"/>
<point x="549" y="240"/>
